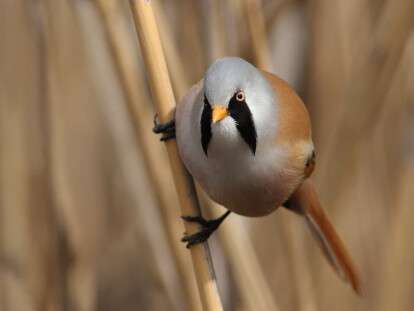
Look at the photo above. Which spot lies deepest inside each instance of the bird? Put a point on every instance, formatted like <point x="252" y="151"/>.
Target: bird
<point x="245" y="136"/>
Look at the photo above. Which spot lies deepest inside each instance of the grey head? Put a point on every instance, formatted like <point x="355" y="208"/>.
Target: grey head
<point x="235" y="90"/>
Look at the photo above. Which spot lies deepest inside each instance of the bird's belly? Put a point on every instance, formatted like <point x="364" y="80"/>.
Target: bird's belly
<point x="253" y="200"/>
<point x="253" y="186"/>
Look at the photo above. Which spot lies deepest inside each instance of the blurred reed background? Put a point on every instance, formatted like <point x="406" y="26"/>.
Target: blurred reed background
<point x="82" y="176"/>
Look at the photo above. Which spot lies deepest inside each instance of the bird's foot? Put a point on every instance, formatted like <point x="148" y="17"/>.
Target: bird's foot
<point x="166" y="129"/>
<point x="208" y="227"/>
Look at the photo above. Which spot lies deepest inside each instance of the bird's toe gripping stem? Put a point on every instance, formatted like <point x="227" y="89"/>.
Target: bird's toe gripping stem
<point x="208" y="227"/>
<point x="166" y="129"/>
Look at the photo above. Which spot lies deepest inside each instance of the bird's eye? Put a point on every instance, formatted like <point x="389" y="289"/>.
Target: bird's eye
<point x="240" y="97"/>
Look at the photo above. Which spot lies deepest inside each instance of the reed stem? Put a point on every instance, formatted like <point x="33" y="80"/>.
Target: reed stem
<point x="132" y="85"/>
<point x="164" y="100"/>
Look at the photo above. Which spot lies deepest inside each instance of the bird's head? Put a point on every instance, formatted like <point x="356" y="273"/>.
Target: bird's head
<point x="237" y="102"/>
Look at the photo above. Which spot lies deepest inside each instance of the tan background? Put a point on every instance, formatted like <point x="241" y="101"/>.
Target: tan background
<point x="79" y="226"/>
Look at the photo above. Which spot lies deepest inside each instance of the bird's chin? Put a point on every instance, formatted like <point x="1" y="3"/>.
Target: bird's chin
<point x="225" y="128"/>
<point x="225" y="137"/>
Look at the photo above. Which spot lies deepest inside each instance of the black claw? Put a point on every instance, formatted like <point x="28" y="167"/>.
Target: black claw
<point x="166" y="129"/>
<point x="208" y="227"/>
<point x="196" y="238"/>
<point x="163" y="128"/>
<point x="167" y="136"/>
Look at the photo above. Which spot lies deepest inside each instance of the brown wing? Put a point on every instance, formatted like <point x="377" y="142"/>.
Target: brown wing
<point x="293" y="117"/>
<point x="294" y="127"/>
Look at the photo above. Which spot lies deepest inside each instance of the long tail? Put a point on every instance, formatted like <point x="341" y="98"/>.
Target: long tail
<point x="305" y="202"/>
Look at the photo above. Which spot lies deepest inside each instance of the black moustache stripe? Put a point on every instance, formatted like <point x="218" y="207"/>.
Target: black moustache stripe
<point x="206" y="125"/>
<point x="241" y="113"/>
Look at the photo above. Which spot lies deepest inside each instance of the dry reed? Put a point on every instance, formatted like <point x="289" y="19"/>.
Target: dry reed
<point x="131" y="84"/>
<point x="165" y="102"/>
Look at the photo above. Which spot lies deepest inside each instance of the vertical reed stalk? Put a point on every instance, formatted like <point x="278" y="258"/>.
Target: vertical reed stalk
<point x="164" y="100"/>
<point x="257" y="28"/>
<point x="179" y="81"/>
<point x="132" y="86"/>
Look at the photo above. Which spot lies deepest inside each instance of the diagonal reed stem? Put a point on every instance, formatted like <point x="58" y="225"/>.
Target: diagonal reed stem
<point x="132" y="84"/>
<point x="164" y="100"/>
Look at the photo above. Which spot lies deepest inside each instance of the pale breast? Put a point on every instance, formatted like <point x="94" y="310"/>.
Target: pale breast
<point x="250" y="185"/>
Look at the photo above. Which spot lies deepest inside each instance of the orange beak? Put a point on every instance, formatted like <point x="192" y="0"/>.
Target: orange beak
<point x="219" y="113"/>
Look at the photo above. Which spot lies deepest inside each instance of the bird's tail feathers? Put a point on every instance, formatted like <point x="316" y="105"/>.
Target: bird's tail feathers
<point x="305" y="202"/>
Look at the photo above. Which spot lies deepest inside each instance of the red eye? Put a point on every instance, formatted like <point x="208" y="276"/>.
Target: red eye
<point x="240" y="96"/>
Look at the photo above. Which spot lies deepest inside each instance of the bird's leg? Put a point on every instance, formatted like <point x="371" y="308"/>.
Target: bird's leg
<point x="166" y="129"/>
<point x="208" y="227"/>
